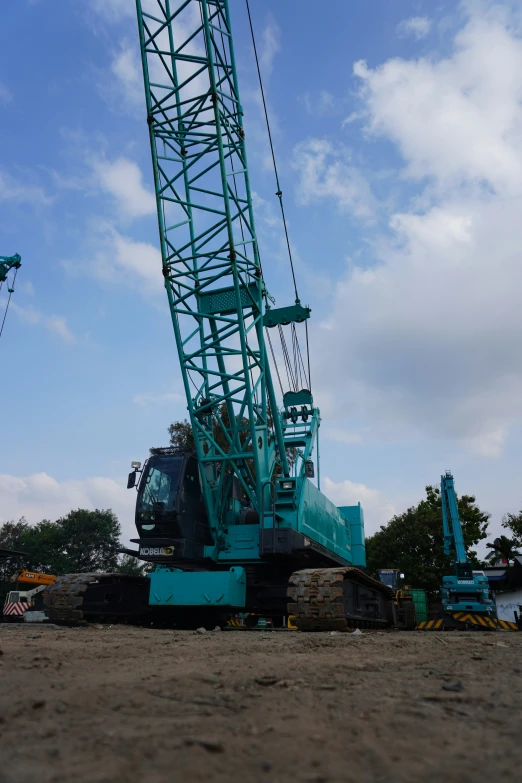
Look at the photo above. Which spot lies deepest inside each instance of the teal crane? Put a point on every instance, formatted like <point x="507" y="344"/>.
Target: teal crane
<point x="7" y="264"/>
<point x="466" y="597"/>
<point x="234" y="525"/>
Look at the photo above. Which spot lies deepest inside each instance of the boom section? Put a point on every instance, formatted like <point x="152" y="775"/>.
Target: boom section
<point x="453" y="536"/>
<point x="209" y="249"/>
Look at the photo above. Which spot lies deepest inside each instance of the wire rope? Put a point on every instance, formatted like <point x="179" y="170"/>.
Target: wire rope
<point x="296" y="374"/>
<point x="279" y="193"/>
<point x="8" y="302"/>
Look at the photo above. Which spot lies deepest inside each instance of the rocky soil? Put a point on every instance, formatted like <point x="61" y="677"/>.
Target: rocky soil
<point x="105" y="704"/>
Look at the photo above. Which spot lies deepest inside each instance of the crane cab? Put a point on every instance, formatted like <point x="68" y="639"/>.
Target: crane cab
<point x="171" y="519"/>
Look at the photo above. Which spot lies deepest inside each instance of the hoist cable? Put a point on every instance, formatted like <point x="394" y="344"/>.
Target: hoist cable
<point x="279" y="193"/>
<point x="8" y="302"/>
<point x="274" y="360"/>
<point x="308" y="358"/>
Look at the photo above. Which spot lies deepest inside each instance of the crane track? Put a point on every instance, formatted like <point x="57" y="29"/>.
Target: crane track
<point x="319" y="601"/>
<point x="75" y="599"/>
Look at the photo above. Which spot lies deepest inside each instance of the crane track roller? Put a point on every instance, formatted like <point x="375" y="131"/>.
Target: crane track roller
<point x="76" y="599"/>
<point x="338" y="599"/>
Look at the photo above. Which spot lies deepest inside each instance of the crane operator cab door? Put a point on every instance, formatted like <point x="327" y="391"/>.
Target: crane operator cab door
<point x="170" y="513"/>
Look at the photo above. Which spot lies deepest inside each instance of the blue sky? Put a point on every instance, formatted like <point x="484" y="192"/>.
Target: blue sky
<point x="397" y="129"/>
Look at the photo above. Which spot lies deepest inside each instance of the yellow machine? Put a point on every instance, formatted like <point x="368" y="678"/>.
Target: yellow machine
<point x="31" y="577"/>
<point x="404" y="607"/>
<point x="17" y="602"/>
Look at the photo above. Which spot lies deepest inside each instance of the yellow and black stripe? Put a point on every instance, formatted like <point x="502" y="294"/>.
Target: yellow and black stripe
<point x="486" y="622"/>
<point x="479" y="621"/>
<point x="431" y="625"/>
<point x="234" y="622"/>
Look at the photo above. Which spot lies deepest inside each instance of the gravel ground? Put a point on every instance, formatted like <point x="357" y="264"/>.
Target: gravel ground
<point x="116" y="703"/>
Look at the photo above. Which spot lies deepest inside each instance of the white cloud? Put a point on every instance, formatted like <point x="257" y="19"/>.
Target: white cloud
<point x="114" y="10"/>
<point x="429" y="336"/>
<point x="5" y="94"/>
<point x="140" y="259"/>
<point x="377" y="510"/>
<point x="126" y="68"/>
<point x="122" y="179"/>
<point x="120" y="260"/>
<point x="417" y="26"/>
<point x="326" y="172"/>
<point x="457" y="119"/>
<point x="56" y="324"/>
<point x="40" y="496"/>
<point x="320" y="104"/>
<point x="13" y="191"/>
<point x="270" y="46"/>
<point x="27" y="287"/>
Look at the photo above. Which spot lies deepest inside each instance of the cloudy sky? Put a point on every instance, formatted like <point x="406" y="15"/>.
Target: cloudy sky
<point x="398" y="129"/>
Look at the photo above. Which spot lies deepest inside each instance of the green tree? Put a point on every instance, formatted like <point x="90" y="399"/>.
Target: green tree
<point x="132" y="566"/>
<point x="81" y="541"/>
<point x="414" y="543"/>
<point x="513" y="522"/>
<point x="90" y="540"/>
<point x="182" y="436"/>
<point x="503" y="548"/>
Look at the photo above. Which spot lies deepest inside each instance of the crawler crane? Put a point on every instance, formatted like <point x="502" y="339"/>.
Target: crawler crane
<point x="231" y="526"/>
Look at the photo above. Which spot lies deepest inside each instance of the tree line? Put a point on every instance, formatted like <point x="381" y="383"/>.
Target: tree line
<point x="82" y="541"/>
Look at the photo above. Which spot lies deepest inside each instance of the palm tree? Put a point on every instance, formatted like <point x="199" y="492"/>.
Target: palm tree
<point x="503" y="548"/>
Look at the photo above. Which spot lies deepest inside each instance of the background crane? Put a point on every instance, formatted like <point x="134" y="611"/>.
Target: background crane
<point x="466" y="597"/>
<point x="7" y="264"/>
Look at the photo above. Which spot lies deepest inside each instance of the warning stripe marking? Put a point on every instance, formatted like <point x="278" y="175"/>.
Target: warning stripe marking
<point x="430" y="625"/>
<point x="15" y="608"/>
<point x="474" y="619"/>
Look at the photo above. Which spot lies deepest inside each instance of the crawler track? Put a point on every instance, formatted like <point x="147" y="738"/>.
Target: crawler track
<point x="338" y="599"/>
<point x="75" y="599"/>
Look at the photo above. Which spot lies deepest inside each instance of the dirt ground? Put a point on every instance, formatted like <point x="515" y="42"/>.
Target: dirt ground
<point x="115" y="703"/>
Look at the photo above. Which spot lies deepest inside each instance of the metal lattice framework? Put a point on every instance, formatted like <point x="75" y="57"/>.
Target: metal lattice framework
<point x="209" y="248"/>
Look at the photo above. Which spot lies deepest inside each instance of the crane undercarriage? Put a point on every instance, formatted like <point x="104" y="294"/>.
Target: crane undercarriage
<point x="320" y="599"/>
